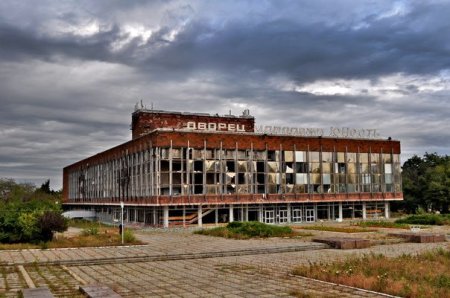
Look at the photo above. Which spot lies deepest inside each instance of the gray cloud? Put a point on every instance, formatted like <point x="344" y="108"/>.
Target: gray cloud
<point x="70" y="72"/>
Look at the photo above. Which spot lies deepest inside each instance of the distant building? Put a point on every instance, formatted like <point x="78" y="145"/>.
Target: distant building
<point x="192" y="168"/>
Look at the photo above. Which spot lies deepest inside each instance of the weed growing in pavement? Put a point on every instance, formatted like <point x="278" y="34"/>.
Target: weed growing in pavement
<point x="427" y="274"/>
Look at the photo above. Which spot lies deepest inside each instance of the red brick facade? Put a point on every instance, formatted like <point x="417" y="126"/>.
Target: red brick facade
<point x="145" y="121"/>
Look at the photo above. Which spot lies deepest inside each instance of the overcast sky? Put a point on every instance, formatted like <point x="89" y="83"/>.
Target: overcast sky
<point x="72" y="71"/>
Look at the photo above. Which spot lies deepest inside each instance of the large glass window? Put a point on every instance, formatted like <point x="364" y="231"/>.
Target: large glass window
<point x="300" y="156"/>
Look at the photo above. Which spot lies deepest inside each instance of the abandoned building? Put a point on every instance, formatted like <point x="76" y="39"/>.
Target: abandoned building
<point x="194" y="169"/>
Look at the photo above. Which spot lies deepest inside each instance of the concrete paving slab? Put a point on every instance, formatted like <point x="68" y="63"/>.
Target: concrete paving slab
<point x="99" y="291"/>
<point x="41" y="292"/>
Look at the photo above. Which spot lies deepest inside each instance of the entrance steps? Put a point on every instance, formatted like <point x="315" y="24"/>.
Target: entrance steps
<point x="189" y="218"/>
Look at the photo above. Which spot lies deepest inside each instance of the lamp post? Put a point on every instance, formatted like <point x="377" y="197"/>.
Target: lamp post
<point x="121" y="218"/>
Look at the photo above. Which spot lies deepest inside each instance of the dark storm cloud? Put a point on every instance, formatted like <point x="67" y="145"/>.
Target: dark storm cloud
<point x="71" y="72"/>
<point x="306" y="52"/>
<point x="309" y="52"/>
<point x="19" y="44"/>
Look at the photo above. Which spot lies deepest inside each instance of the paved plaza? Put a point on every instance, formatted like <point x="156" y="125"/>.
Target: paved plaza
<point x="176" y="263"/>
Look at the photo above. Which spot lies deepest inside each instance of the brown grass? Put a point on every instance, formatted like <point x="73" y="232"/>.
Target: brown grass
<point x="382" y="224"/>
<point x="13" y="246"/>
<point x="425" y="275"/>
<point x="107" y="236"/>
<point x="336" y="229"/>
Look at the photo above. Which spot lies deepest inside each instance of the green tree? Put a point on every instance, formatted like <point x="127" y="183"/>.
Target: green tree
<point x="45" y="187"/>
<point x="437" y="194"/>
<point x="426" y="182"/>
<point x="28" y="214"/>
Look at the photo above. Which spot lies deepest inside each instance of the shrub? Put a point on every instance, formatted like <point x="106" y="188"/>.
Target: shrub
<point x="425" y="219"/>
<point x="251" y="229"/>
<point x="91" y="231"/>
<point x="128" y="236"/>
<point x="49" y="223"/>
<point x="28" y="214"/>
<point x="258" y="229"/>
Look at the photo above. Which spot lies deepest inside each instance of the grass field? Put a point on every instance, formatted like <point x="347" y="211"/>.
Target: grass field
<point x="425" y="275"/>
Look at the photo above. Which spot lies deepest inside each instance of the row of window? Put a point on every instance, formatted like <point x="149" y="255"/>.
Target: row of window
<point x="165" y="171"/>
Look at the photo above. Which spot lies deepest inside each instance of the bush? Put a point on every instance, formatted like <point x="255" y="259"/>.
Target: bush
<point x="28" y="215"/>
<point x="49" y="223"/>
<point x="91" y="231"/>
<point x="128" y="236"/>
<point x="258" y="229"/>
<point x="251" y="229"/>
<point x="425" y="219"/>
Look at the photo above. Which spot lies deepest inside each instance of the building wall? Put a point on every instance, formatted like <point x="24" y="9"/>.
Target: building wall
<point x="167" y="168"/>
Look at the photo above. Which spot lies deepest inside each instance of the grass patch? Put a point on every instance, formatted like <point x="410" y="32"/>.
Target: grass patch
<point x="250" y="229"/>
<point x="382" y="224"/>
<point x="89" y="237"/>
<point x="95" y="237"/>
<point x="86" y="224"/>
<point x="424" y="275"/>
<point x="426" y="219"/>
<point x="337" y="229"/>
<point x="15" y="246"/>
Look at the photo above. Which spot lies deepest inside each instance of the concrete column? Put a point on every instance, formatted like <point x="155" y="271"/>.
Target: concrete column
<point x="315" y="212"/>
<point x="166" y="216"/>
<point x="364" y="210"/>
<point x="341" y="216"/>
<point x="260" y="213"/>
<point x="242" y="213"/>
<point x="289" y="212"/>
<point x="231" y="213"/>
<point x="135" y="215"/>
<point x="216" y="215"/>
<point x="200" y="215"/>
<point x="184" y="216"/>
<point x="386" y="210"/>
<point x="246" y="213"/>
